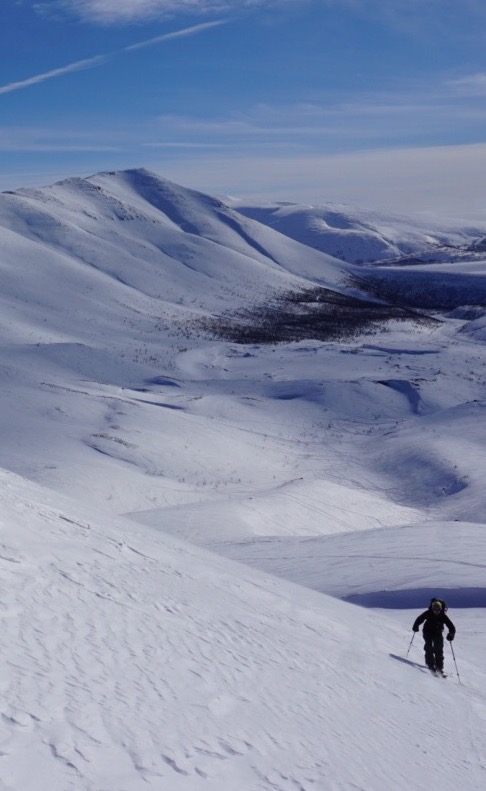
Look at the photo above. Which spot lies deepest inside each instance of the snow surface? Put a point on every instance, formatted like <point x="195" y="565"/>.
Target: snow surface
<point x="362" y="235"/>
<point x="211" y="554"/>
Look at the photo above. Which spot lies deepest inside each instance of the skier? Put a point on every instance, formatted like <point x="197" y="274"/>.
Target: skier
<point x="434" y="620"/>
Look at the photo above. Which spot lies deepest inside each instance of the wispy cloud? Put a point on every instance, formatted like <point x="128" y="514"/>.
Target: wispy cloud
<point x="401" y="12"/>
<point x="109" y="11"/>
<point x="470" y="84"/>
<point x="46" y="139"/>
<point x="187" y="146"/>
<point x="441" y="112"/>
<point x="99" y="60"/>
<point x="78" y="65"/>
<point x="337" y="123"/>
<point x="188" y="31"/>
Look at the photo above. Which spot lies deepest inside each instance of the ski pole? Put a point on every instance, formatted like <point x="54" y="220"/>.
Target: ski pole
<point x="409" y="647"/>
<point x="454" y="657"/>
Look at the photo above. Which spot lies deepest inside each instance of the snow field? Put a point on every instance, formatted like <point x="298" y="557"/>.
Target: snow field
<point x="133" y="662"/>
<point x="132" y="659"/>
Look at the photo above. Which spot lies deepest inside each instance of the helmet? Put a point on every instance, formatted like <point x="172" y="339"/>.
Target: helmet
<point x="436" y="606"/>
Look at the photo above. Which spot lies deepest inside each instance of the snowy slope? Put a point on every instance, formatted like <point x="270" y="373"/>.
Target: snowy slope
<point x="360" y="235"/>
<point x="134" y="657"/>
<point x="100" y="279"/>
<point x="131" y="661"/>
<point x="397" y="567"/>
<point x="151" y="243"/>
<point x="119" y="398"/>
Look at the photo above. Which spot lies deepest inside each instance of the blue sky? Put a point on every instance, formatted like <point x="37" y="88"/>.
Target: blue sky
<point x="376" y="102"/>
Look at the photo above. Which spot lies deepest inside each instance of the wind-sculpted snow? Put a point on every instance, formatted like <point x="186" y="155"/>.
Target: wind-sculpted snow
<point x="132" y="661"/>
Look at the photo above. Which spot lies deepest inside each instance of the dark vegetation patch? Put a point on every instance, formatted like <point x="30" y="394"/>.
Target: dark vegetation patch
<point x="419" y="598"/>
<point x="424" y="290"/>
<point x="317" y="313"/>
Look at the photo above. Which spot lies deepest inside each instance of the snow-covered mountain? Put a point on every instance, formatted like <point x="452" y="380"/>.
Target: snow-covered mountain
<point x="147" y="240"/>
<point x="189" y="522"/>
<point x="362" y="235"/>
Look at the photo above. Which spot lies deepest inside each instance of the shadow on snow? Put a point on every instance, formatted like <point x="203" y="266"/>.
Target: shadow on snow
<point x="420" y="598"/>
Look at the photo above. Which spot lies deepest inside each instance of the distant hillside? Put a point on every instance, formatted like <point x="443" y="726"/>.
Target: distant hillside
<point x="135" y="238"/>
<point x="360" y="236"/>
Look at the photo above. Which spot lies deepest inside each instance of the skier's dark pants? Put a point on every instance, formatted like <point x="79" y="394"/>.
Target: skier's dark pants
<point x="434" y="650"/>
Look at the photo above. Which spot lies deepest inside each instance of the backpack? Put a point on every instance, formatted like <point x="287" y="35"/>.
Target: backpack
<point x="441" y="601"/>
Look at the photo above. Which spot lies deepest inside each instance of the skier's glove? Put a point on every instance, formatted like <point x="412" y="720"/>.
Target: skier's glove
<point x="415" y="628"/>
<point x="450" y="637"/>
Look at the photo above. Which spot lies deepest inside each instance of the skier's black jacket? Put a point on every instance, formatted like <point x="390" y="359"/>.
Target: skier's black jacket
<point x="434" y="624"/>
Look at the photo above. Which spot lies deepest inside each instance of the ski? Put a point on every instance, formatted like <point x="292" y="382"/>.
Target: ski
<point x="419" y="666"/>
